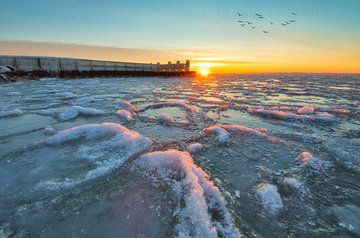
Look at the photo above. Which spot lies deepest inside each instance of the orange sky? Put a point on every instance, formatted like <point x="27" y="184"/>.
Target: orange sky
<point x="278" y="58"/>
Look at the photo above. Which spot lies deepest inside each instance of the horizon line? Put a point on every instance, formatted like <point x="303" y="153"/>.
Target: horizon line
<point x="214" y="73"/>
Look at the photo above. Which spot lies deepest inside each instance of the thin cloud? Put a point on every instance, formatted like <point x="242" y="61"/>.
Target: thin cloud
<point x="30" y="48"/>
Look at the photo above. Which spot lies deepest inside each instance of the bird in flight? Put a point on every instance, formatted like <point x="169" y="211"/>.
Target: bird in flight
<point x="245" y="22"/>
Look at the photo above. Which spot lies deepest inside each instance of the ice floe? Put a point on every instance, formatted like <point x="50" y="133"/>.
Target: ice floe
<point x="74" y="111"/>
<point x="345" y="151"/>
<point x="88" y="131"/>
<point x="211" y="100"/>
<point x="188" y="108"/>
<point x="316" y="164"/>
<point x="73" y="161"/>
<point x="324" y="116"/>
<point x="293" y="183"/>
<point x="223" y="132"/>
<point x="83" y="101"/>
<point x="222" y="135"/>
<point x="165" y="118"/>
<point x="48" y="112"/>
<point x="106" y="155"/>
<point x="127" y="105"/>
<point x="11" y="94"/>
<point x="49" y="130"/>
<point x="307" y="110"/>
<point x="349" y="217"/>
<point x="11" y="113"/>
<point x="340" y="110"/>
<point x="240" y="129"/>
<point x="306" y="115"/>
<point x="282" y="107"/>
<point x="276" y="114"/>
<point x="195" y="148"/>
<point x="47" y="79"/>
<point x="70" y="112"/>
<point x="65" y="94"/>
<point x="124" y="114"/>
<point x="270" y="197"/>
<point x="198" y="199"/>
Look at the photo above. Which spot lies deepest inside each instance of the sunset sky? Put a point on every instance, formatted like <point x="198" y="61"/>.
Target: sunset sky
<point x="324" y="38"/>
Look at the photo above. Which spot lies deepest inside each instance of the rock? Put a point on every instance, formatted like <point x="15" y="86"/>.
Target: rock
<point x="4" y="78"/>
<point x="4" y="70"/>
<point x="12" y="68"/>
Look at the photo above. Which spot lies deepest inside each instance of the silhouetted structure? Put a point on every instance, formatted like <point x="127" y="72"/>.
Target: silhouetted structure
<point x="70" y="67"/>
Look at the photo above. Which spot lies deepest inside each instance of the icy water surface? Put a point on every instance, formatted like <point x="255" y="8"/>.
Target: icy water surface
<point x="251" y="155"/>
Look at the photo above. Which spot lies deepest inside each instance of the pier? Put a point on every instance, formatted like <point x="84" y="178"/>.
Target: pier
<point x="22" y="66"/>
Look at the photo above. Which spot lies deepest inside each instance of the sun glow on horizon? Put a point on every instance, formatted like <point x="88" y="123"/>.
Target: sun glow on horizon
<point x="204" y="68"/>
<point x="204" y="72"/>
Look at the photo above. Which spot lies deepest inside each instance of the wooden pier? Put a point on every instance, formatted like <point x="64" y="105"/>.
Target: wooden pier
<point x="80" y="68"/>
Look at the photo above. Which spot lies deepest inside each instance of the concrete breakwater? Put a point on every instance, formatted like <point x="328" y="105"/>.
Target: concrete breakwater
<point x="37" y="67"/>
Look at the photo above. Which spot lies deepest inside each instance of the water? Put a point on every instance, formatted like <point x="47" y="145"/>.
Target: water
<point x="282" y="174"/>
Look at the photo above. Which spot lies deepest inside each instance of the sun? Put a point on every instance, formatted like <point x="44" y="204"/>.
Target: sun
<point x="204" y="72"/>
<point x="204" y="68"/>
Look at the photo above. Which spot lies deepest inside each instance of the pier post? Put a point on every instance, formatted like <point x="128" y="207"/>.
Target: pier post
<point x="60" y="66"/>
<point x="15" y="63"/>
<point x="76" y="65"/>
<point x="39" y="63"/>
<point x="187" y="66"/>
<point x="177" y="66"/>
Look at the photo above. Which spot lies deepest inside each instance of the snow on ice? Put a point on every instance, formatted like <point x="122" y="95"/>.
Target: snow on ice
<point x="124" y="114"/>
<point x="271" y="199"/>
<point x="192" y="186"/>
<point x="195" y="148"/>
<point x="106" y="155"/>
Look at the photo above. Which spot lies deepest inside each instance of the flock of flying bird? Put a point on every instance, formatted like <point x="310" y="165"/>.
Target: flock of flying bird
<point x="244" y="23"/>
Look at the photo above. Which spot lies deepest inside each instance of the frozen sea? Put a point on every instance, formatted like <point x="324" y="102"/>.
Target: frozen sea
<point x="262" y="155"/>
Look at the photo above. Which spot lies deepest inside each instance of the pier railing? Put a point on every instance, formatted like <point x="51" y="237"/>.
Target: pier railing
<point x="61" y="66"/>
